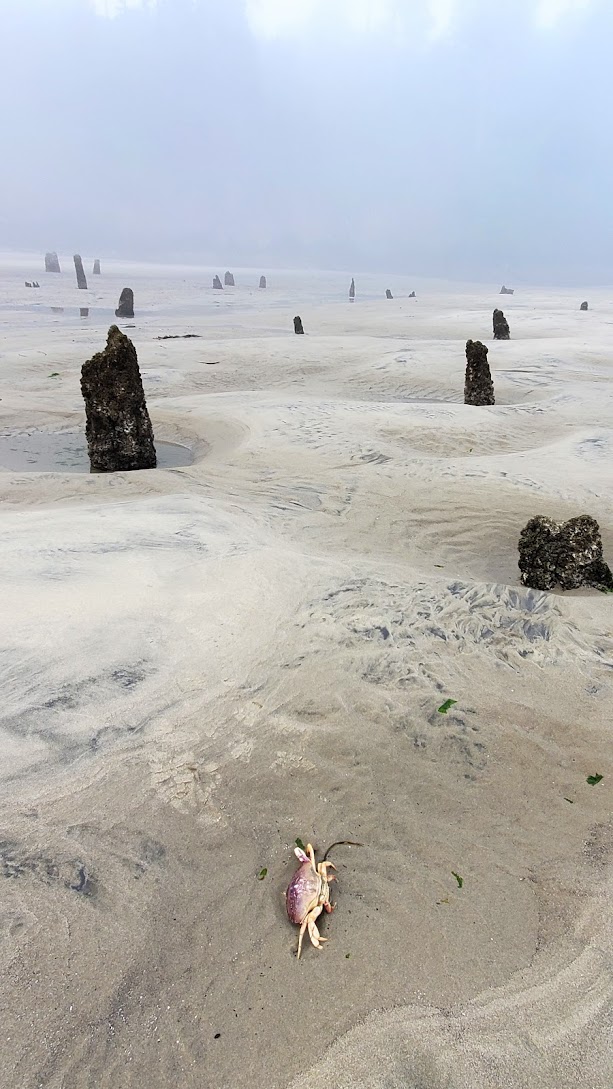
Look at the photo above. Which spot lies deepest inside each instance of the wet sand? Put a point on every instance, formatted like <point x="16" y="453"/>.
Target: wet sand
<point x="205" y="662"/>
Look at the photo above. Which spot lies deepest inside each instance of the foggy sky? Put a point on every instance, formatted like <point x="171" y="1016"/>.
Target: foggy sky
<point x="454" y="138"/>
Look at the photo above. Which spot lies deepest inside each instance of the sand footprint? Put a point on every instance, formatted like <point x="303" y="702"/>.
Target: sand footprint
<point x="186" y="784"/>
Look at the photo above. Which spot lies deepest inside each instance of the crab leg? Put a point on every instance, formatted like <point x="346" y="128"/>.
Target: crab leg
<point x="314" y="934"/>
<point x="302" y="930"/>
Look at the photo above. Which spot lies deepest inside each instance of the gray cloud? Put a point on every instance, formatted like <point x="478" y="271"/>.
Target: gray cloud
<point x="448" y="139"/>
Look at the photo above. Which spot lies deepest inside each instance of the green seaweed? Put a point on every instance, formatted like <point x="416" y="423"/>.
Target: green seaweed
<point x="594" y="780"/>
<point x="460" y="880"/>
<point x="262" y="874"/>
<point x="443" y="709"/>
<point x="300" y="844"/>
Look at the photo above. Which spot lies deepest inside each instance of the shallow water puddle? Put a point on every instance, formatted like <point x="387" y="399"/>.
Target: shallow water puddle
<point x="66" y="452"/>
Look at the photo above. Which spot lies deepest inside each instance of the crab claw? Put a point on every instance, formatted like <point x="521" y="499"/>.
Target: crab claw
<point x="300" y="854"/>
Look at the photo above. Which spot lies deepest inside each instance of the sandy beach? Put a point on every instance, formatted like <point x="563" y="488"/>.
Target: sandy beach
<point x="203" y="663"/>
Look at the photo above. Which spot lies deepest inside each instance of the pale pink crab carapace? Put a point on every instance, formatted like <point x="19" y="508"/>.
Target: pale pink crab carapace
<point x="308" y="894"/>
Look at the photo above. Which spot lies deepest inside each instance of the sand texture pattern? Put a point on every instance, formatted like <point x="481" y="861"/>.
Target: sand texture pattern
<point x="204" y="662"/>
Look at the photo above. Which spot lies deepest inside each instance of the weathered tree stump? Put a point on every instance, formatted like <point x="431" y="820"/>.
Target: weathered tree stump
<point x="567" y="554"/>
<point x="478" y="385"/>
<point x="118" y="429"/>
<point x="78" y="264"/>
<point x="125" y="308"/>
<point x="501" y="326"/>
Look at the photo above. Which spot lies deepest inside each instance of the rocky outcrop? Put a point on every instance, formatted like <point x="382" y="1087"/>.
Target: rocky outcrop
<point x="262" y="282"/>
<point x="412" y="295"/>
<point x="478" y="385"/>
<point x="217" y="284"/>
<point x="352" y="289"/>
<point x="507" y="290"/>
<point x="229" y="280"/>
<point x="566" y="554"/>
<point x="51" y="263"/>
<point x="84" y="312"/>
<point x="96" y="268"/>
<point x="501" y="326"/>
<point x="118" y="429"/>
<point x="388" y="294"/>
<point x="583" y="306"/>
<point x="298" y="325"/>
<point x="125" y="308"/>
<point x="78" y="264"/>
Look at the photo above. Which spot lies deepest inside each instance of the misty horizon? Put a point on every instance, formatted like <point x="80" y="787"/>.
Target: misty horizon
<point x="442" y="139"/>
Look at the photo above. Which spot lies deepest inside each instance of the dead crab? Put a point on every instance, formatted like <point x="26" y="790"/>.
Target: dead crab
<point x="308" y="894"/>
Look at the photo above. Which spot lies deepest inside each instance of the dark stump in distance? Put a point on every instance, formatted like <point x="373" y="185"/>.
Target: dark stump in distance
<point x="51" y="263"/>
<point x="118" y="429"/>
<point x="78" y="264"/>
<point x="501" y="326"/>
<point x="478" y="385"/>
<point x="298" y="325"/>
<point x="229" y="280"/>
<point x="262" y="282"/>
<point x="96" y="268"/>
<point x="352" y="289"/>
<point x="388" y="294"/>
<point x="125" y="308"/>
<point x="217" y="284"/>
<point x="507" y="290"/>
<point x="567" y="554"/>
<point x="412" y="295"/>
<point x="84" y="312"/>
<point x="583" y="306"/>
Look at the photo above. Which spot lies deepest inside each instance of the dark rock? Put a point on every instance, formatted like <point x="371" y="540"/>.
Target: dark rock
<point x="84" y="312"/>
<point x="81" y="281"/>
<point x="229" y="280"/>
<point x="96" y="269"/>
<point x="478" y="385"/>
<point x="568" y="554"/>
<point x="388" y="294"/>
<point x="352" y="289"/>
<point x="51" y="263"/>
<point x="583" y="306"/>
<point x="507" y="290"/>
<point x="125" y="308"/>
<point x="35" y="283"/>
<point x="262" y="281"/>
<point x="27" y="284"/>
<point x="119" y="433"/>
<point x="501" y="326"/>
<point x="298" y="325"/>
<point x="217" y="284"/>
<point x="412" y="295"/>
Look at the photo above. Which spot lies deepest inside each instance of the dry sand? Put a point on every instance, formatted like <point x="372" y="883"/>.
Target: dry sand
<point x="201" y="664"/>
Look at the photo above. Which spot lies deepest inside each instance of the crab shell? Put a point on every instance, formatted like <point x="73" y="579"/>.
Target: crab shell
<point x="303" y="891"/>
<point x="308" y="894"/>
